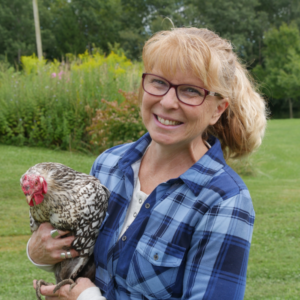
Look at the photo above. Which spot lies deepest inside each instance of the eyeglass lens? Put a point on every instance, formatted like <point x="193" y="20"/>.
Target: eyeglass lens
<point x="157" y="86"/>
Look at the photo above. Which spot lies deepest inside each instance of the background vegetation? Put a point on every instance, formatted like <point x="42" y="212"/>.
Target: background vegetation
<point x="73" y="26"/>
<point x="272" y="176"/>
<point x="61" y="105"/>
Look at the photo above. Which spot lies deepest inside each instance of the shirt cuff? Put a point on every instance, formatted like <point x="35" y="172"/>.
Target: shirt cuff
<point x="48" y="268"/>
<point x="92" y="293"/>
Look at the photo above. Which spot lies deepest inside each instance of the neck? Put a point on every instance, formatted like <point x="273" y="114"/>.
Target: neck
<point x="173" y="159"/>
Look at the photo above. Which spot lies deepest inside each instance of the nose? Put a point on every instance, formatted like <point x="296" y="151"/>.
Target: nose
<point x="169" y="100"/>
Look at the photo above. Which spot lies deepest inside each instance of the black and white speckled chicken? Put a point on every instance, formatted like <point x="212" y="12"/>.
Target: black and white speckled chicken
<point x="70" y="201"/>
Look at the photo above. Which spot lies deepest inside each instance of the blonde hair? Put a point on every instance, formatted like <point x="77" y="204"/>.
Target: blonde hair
<point x="203" y="53"/>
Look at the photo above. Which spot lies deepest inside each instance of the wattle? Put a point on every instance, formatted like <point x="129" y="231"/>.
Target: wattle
<point x="38" y="197"/>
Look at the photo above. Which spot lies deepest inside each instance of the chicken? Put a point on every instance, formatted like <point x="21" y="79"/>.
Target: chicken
<point x="70" y="201"/>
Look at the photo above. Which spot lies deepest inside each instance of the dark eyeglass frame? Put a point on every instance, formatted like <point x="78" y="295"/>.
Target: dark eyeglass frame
<point x="175" y="86"/>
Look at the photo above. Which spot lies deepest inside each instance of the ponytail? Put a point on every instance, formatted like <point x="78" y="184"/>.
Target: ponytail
<point x="241" y="127"/>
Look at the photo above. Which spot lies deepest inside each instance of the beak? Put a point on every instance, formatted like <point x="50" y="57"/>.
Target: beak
<point x="28" y="198"/>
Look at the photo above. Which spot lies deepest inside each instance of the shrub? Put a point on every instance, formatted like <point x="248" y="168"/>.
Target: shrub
<point x="44" y="105"/>
<point x="116" y="123"/>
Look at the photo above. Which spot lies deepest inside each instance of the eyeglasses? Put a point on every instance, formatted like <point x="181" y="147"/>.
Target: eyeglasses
<point x="188" y="94"/>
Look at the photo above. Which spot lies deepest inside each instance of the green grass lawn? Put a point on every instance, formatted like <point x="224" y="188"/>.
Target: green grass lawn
<point x="274" y="265"/>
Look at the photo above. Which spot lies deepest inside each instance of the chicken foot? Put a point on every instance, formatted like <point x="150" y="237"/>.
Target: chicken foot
<point x="64" y="282"/>
<point x="39" y="283"/>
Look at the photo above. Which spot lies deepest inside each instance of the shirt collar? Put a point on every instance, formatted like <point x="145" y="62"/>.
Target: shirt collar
<point x="135" y="152"/>
<point x="195" y="177"/>
<point x="205" y="168"/>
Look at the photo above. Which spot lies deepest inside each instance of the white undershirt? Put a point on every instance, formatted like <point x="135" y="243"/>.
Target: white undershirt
<point x="138" y="198"/>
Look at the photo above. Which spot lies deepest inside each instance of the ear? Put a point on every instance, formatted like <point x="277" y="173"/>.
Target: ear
<point x="44" y="183"/>
<point x="221" y="106"/>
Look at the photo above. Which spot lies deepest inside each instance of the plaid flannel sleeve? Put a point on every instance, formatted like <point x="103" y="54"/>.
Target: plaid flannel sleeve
<point x="217" y="260"/>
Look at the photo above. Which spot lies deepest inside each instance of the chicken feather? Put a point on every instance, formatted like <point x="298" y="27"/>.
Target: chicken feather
<point x="70" y="201"/>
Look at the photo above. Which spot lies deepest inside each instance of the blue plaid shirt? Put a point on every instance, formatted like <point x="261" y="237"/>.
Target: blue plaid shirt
<point x="191" y="238"/>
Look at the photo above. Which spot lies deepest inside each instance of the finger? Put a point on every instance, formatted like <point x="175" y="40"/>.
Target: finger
<point x="46" y="226"/>
<point x="80" y="279"/>
<point x="67" y="241"/>
<point x="63" y="243"/>
<point x="47" y="290"/>
<point x="59" y="235"/>
<point x="57" y="256"/>
<point x="56" y="233"/>
<point x="74" y="253"/>
<point x="34" y="283"/>
<point x="62" y="233"/>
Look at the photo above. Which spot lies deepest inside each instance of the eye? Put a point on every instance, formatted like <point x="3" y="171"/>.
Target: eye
<point x="191" y="91"/>
<point x="158" y="82"/>
<point x="36" y="183"/>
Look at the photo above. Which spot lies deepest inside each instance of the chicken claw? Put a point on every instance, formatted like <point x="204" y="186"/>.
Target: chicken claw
<point x="64" y="282"/>
<point x="39" y="283"/>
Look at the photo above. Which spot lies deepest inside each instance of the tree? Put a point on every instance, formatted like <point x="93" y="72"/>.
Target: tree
<point x="67" y="26"/>
<point x="79" y="24"/>
<point x="239" y="21"/>
<point x="16" y="29"/>
<point x="280" y="72"/>
<point x="281" y="11"/>
<point x="72" y="26"/>
<point x="142" y="18"/>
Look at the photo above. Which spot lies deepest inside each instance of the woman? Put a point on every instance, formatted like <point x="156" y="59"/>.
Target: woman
<point x="179" y="221"/>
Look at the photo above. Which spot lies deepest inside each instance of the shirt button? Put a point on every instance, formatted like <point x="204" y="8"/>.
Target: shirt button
<point x="124" y="238"/>
<point x="140" y="200"/>
<point x="147" y="205"/>
<point x="134" y="215"/>
<point x="155" y="257"/>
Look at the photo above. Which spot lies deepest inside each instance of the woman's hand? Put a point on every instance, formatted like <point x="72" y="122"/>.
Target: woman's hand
<point x="43" y="249"/>
<point x="64" y="293"/>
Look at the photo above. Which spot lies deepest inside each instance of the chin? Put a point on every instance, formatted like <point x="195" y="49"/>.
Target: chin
<point x="163" y="139"/>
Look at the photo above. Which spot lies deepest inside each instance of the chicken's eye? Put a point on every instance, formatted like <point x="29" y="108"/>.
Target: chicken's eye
<point x="36" y="183"/>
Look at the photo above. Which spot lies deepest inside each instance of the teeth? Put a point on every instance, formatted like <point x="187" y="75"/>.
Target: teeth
<point x="167" y="122"/>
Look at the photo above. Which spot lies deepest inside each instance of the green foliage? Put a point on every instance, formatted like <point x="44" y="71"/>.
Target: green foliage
<point x="77" y="25"/>
<point x="124" y="26"/>
<point x="17" y="33"/>
<point x="281" y="69"/>
<point x="16" y="36"/>
<point x="32" y="65"/>
<point x="45" y="104"/>
<point x="116" y="123"/>
<point x="238" y="21"/>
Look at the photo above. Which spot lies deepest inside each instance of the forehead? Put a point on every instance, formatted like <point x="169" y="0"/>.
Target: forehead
<point x="173" y="56"/>
<point x="178" y="76"/>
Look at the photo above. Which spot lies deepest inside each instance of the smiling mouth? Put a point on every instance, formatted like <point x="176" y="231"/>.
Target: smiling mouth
<point x="167" y="122"/>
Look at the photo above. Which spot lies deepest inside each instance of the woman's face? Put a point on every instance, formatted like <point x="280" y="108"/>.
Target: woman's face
<point x="171" y="122"/>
